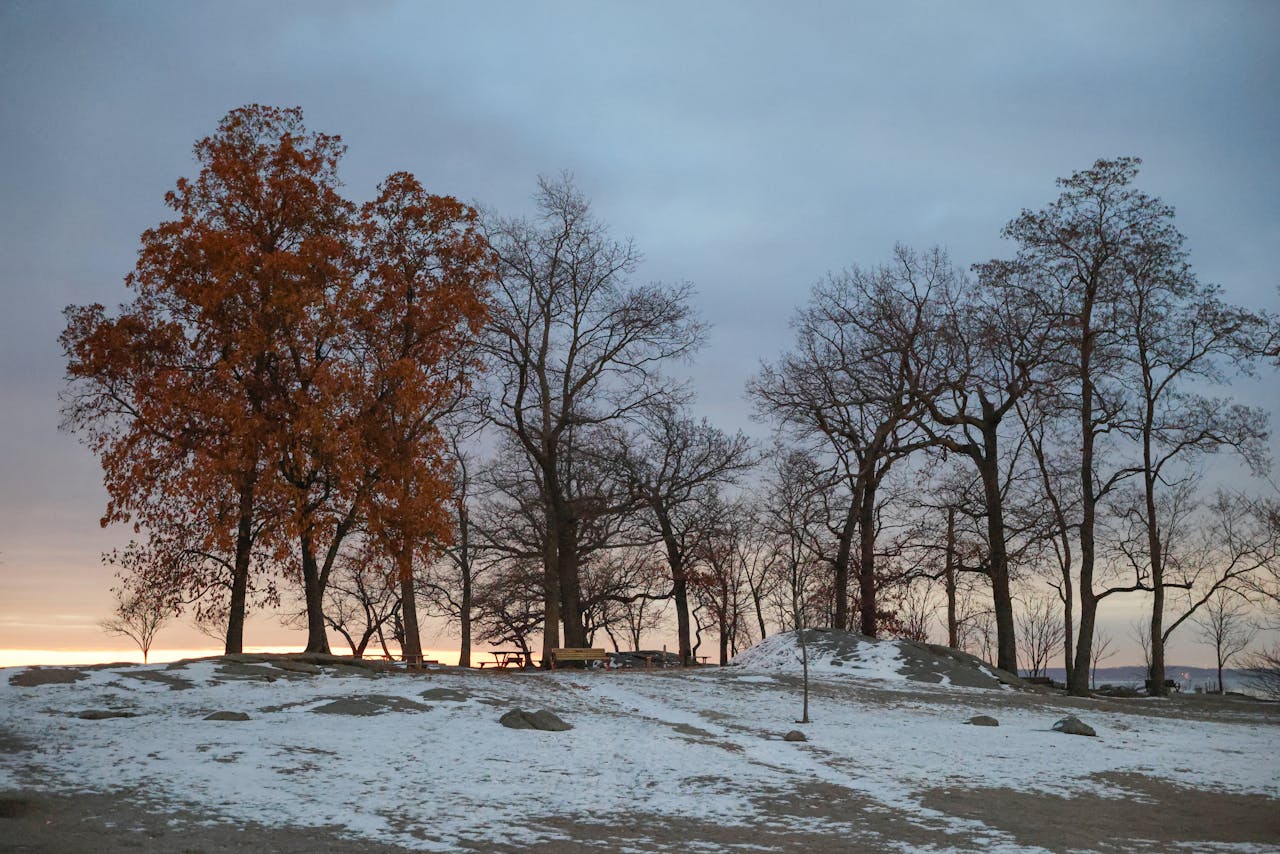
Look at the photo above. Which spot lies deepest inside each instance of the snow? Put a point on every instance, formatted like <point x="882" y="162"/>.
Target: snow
<point x="866" y="658"/>
<point x="700" y="744"/>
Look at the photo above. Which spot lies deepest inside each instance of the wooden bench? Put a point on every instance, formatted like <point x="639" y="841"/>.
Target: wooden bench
<point x="559" y="656"/>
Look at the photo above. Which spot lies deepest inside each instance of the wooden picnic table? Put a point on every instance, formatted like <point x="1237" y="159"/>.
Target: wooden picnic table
<point x="505" y="658"/>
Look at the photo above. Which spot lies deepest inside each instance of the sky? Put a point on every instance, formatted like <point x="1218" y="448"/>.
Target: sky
<point x="749" y="148"/>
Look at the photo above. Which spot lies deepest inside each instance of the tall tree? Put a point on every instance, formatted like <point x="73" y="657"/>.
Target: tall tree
<point x="846" y="388"/>
<point x="572" y="345"/>
<point x="173" y="394"/>
<point x="1134" y="325"/>
<point x="427" y="271"/>
<point x="672" y="469"/>
<point x="1079" y="249"/>
<point x="1182" y="335"/>
<point x="987" y="349"/>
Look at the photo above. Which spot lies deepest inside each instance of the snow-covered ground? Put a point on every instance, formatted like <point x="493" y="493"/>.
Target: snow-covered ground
<point x="420" y="760"/>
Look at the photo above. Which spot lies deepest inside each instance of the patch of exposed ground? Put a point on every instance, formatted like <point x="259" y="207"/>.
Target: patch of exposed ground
<point x="813" y="817"/>
<point x="36" y="676"/>
<point x="115" y="823"/>
<point x="175" y="683"/>
<point x="1155" y="816"/>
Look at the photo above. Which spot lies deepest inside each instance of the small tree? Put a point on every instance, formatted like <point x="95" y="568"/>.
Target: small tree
<point x="1263" y="670"/>
<point x="1139" y="634"/>
<point x="1225" y="625"/>
<point x="1101" y="652"/>
<point x="1039" y="630"/>
<point x="137" y="618"/>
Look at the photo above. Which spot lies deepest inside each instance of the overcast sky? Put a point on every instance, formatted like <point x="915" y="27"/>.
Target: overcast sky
<point x="747" y="147"/>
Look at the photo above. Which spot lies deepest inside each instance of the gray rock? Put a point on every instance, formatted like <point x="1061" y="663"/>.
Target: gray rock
<point x="369" y="704"/>
<point x="540" y="720"/>
<point x="983" y="720"/>
<point x="795" y="735"/>
<point x="227" y="716"/>
<point x="448" y="695"/>
<point x="103" y="714"/>
<point x="296" y="667"/>
<point x="1071" y="725"/>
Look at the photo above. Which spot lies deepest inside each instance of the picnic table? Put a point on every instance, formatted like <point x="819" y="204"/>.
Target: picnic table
<point x="505" y="658"/>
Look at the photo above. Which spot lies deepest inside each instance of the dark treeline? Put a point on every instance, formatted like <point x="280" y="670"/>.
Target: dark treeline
<point x="367" y="415"/>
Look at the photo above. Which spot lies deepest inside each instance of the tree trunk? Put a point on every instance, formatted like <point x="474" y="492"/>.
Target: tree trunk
<point x="867" y="569"/>
<point x="759" y="607"/>
<point x="1078" y="680"/>
<point x="953" y="628"/>
<point x="1068" y="606"/>
<point x="679" y="584"/>
<point x="680" y="594"/>
<point x="317" y="639"/>
<point x="844" y="551"/>
<point x="550" y="586"/>
<point x="464" y="619"/>
<point x="464" y="563"/>
<point x="1156" y="554"/>
<point x="412" y="649"/>
<point x="240" y="573"/>
<point x="998" y="558"/>
<point x="575" y="634"/>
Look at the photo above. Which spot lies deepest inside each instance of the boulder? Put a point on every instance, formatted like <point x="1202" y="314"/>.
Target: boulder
<point x="795" y="735"/>
<point x="302" y="667"/>
<point x="983" y="720"/>
<point x="227" y="716"/>
<point x="1071" y="725"/>
<point x="540" y="720"/>
<point x="103" y="714"/>
<point x="449" y="695"/>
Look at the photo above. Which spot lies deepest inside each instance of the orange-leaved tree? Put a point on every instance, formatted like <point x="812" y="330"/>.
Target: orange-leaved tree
<point x="253" y="391"/>
<point x="427" y="271"/>
<point x="174" y="394"/>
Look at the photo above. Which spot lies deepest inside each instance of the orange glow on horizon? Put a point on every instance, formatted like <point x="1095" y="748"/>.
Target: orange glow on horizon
<point x="71" y="657"/>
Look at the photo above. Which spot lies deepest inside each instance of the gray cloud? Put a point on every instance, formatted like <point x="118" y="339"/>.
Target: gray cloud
<point x="748" y="147"/>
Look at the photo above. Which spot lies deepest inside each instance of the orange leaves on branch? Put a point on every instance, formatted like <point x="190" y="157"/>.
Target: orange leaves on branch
<point x="275" y="381"/>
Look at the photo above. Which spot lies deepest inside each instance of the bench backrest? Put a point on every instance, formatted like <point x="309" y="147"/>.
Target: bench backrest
<point x="579" y="654"/>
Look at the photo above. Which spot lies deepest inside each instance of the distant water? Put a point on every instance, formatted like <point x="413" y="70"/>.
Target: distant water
<point x="1188" y="678"/>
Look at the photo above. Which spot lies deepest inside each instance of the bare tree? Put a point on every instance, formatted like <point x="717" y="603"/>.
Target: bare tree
<point x="846" y="390"/>
<point x="672" y="470"/>
<point x="362" y="599"/>
<point x="721" y="580"/>
<point x="1263" y="670"/>
<point x="138" y="618"/>
<point x="1081" y="255"/>
<point x="1183" y="337"/>
<point x="794" y="512"/>
<point x="918" y="609"/>
<point x="1039" y="630"/>
<point x="990" y="345"/>
<point x="448" y="584"/>
<point x="1101" y="652"/>
<point x="573" y="346"/>
<point x="1225" y="625"/>
<point x="1139" y="634"/>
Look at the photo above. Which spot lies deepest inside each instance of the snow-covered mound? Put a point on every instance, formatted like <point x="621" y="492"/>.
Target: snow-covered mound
<point x="837" y="653"/>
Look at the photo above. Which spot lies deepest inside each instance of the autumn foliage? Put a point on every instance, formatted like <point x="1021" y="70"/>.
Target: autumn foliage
<point x="274" y="385"/>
